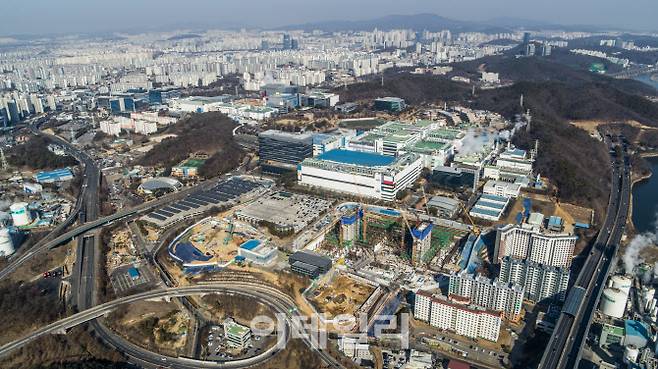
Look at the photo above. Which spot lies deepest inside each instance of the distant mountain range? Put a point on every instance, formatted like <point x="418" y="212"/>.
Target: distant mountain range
<point x="432" y="23"/>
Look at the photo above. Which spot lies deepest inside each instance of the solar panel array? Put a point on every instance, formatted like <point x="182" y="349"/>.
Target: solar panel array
<point x="224" y="191"/>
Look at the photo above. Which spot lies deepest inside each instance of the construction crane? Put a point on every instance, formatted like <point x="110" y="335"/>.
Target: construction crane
<point x="474" y="228"/>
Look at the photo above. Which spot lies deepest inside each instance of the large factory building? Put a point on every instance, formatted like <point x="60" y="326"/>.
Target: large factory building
<point x="360" y="173"/>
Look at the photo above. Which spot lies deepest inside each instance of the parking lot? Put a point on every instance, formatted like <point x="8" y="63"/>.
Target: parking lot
<point x="124" y="278"/>
<point x="285" y="209"/>
<point x="217" y="350"/>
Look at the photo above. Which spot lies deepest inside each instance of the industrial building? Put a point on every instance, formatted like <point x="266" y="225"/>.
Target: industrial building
<point x="463" y="319"/>
<point x="503" y="189"/>
<point x="58" y="175"/>
<point x="258" y="252"/>
<point x="309" y="264"/>
<point x="530" y="242"/>
<point x="487" y="293"/>
<point x="489" y="207"/>
<point x="445" y="207"/>
<point x="360" y="173"/>
<point x="434" y="144"/>
<point x="319" y="99"/>
<point x="277" y="149"/>
<point x="540" y="282"/>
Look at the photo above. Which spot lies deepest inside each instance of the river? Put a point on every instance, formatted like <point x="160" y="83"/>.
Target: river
<point x="645" y="200"/>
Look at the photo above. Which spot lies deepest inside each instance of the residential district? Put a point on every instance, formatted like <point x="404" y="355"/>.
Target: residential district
<point x="387" y="209"/>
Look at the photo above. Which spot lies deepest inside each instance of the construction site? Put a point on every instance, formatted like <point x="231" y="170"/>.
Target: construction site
<point x="375" y="230"/>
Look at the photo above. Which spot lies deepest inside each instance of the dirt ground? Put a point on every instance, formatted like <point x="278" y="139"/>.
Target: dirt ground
<point x="156" y="325"/>
<point x="569" y="213"/>
<point x="342" y="295"/>
<point x="591" y="126"/>
<point x="52" y="259"/>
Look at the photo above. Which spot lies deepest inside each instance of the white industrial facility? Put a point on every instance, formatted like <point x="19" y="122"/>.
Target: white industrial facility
<point x="360" y="173"/>
<point x="6" y="242"/>
<point x="20" y="214"/>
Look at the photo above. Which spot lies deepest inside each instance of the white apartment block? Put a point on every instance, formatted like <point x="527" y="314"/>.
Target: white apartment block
<point x="488" y="294"/>
<point x="466" y="320"/>
<point x="541" y="282"/>
<point x="531" y="242"/>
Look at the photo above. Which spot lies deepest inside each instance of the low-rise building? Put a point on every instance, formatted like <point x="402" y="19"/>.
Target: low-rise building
<point x="309" y="264"/>
<point x="236" y="335"/>
<point x="257" y="251"/>
<point x="489" y="207"/>
<point x="503" y="189"/>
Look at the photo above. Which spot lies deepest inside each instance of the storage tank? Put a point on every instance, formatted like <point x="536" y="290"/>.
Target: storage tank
<point x="622" y="282"/>
<point x="6" y="242"/>
<point x="20" y="214"/>
<point x="630" y="354"/>
<point x="613" y="302"/>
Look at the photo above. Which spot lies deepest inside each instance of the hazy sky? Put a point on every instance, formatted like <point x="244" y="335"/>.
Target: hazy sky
<point x="62" y="16"/>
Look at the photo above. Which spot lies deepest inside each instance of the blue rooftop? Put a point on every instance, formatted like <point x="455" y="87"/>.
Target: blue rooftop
<point x="636" y="328"/>
<point x="54" y="175"/>
<point x="554" y="220"/>
<point x="133" y="272"/>
<point x="186" y="252"/>
<point x="250" y="245"/>
<point x="357" y="158"/>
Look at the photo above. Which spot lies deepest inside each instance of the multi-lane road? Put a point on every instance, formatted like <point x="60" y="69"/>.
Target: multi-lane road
<point x="565" y="345"/>
<point x="85" y="274"/>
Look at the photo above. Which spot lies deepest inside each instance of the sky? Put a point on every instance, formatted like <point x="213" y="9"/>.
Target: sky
<point x="90" y="16"/>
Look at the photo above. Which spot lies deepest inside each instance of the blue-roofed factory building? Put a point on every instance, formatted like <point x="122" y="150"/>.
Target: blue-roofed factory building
<point x="57" y="175"/>
<point x="364" y="174"/>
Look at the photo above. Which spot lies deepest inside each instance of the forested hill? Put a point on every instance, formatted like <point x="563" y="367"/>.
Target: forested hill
<point x="555" y="93"/>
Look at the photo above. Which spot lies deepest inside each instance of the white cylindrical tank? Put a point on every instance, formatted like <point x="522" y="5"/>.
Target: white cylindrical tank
<point x="622" y="282"/>
<point x="613" y="302"/>
<point x="6" y="242"/>
<point x="20" y="214"/>
<point x="630" y="354"/>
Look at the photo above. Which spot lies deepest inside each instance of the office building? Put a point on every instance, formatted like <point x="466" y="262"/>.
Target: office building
<point x="319" y="99"/>
<point x="237" y="336"/>
<point x="526" y="241"/>
<point x="390" y="104"/>
<point x="360" y="173"/>
<point x="463" y="319"/>
<point x="15" y="115"/>
<point x="487" y="293"/>
<point x="282" y="150"/>
<point x="308" y="263"/>
<point x="503" y="189"/>
<point x="541" y="283"/>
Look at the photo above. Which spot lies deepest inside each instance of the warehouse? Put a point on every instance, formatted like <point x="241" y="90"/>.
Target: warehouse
<point x="58" y="175"/>
<point x="258" y="252"/>
<point x="360" y="173"/>
<point x="489" y="207"/>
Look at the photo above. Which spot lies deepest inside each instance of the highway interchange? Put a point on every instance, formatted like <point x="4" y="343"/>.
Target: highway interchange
<point x="565" y="345"/>
<point x="84" y="279"/>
